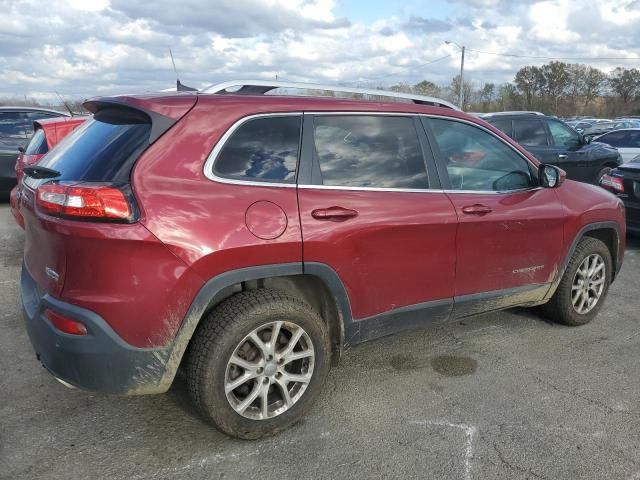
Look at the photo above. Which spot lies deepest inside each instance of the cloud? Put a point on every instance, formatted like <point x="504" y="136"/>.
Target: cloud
<point x="85" y="48"/>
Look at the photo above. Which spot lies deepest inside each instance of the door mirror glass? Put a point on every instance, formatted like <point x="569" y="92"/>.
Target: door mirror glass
<point x="549" y="176"/>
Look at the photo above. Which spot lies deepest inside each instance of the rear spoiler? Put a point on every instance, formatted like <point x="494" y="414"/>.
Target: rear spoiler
<point x="163" y="112"/>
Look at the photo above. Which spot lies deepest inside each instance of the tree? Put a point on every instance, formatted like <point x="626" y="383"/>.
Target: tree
<point x="425" y="87"/>
<point x="530" y="82"/>
<point x="487" y="94"/>
<point x="556" y="80"/>
<point x="467" y="90"/>
<point x="625" y="83"/>
<point x="594" y="81"/>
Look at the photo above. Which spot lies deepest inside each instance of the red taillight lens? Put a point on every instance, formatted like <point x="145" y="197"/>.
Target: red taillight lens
<point x="615" y="183"/>
<point x="65" y="324"/>
<point x="84" y="201"/>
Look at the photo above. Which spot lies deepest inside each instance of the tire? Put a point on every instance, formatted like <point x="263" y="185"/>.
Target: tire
<point x="226" y="331"/>
<point x="601" y="174"/>
<point x="561" y="306"/>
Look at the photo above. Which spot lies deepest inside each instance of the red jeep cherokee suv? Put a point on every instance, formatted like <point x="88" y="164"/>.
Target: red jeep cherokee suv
<point x="250" y="237"/>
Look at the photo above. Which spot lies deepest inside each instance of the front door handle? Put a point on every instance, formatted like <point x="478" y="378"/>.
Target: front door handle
<point x="562" y="156"/>
<point x="476" y="209"/>
<point x="334" y="214"/>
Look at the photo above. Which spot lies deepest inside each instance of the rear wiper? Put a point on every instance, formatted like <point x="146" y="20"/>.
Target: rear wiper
<point x="36" y="171"/>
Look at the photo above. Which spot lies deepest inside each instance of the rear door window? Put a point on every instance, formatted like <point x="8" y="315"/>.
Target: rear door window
<point x="368" y="151"/>
<point x="262" y="149"/>
<point x="103" y="149"/>
<point x="529" y="132"/>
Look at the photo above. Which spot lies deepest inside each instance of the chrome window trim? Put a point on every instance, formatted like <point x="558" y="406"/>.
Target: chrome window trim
<point x="209" y="173"/>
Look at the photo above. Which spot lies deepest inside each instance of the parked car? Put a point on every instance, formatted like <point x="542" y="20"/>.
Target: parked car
<point x="579" y="125"/>
<point x="16" y="127"/>
<point x="553" y="142"/>
<point x="624" y="181"/>
<point x="627" y="142"/>
<point x="47" y="133"/>
<point x="250" y="238"/>
<point x="601" y="128"/>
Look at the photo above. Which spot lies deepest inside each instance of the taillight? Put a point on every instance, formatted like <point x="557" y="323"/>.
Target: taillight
<point x="65" y="324"/>
<point x="84" y="200"/>
<point x="615" y="183"/>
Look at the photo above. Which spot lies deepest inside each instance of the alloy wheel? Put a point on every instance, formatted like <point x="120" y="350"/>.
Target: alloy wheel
<point x="269" y="370"/>
<point x="588" y="284"/>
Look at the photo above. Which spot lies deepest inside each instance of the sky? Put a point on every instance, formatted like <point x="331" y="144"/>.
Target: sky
<point x="86" y="48"/>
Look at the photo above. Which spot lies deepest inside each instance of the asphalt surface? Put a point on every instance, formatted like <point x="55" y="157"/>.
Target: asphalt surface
<point x="505" y="395"/>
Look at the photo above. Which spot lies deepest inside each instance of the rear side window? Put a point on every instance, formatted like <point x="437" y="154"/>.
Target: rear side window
<point x="38" y="144"/>
<point x="369" y="151"/>
<point x="103" y="149"/>
<point x="529" y="132"/>
<point x="263" y="149"/>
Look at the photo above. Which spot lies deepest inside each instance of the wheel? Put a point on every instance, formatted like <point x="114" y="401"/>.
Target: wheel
<point x="258" y="362"/>
<point x="584" y="286"/>
<point x="601" y="174"/>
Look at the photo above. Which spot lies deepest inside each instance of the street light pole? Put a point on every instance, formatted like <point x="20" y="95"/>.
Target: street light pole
<point x="461" y="84"/>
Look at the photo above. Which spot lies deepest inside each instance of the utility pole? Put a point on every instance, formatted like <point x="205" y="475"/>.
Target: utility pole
<point x="461" y="83"/>
<point x="461" y="94"/>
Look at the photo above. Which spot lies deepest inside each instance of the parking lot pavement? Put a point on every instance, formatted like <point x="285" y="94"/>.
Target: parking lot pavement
<point x="505" y="395"/>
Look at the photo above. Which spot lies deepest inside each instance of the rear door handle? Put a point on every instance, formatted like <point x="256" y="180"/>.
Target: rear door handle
<point x="334" y="214"/>
<point x="476" y="209"/>
<point x="562" y="156"/>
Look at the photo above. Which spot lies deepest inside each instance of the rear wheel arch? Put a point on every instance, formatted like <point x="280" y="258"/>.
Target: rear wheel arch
<point x="317" y="285"/>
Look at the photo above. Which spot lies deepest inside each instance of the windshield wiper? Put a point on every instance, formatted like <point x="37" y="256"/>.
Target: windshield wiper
<point x="36" y="171"/>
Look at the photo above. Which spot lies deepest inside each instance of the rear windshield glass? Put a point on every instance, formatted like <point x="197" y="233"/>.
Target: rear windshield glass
<point x="38" y="144"/>
<point x="103" y="149"/>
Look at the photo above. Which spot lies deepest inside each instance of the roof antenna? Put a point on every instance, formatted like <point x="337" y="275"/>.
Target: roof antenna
<point x="180" y="87"/>
<point x="66" y="104"/>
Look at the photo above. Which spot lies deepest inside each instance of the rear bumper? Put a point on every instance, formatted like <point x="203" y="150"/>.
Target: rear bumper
<point x="100" y="361"/>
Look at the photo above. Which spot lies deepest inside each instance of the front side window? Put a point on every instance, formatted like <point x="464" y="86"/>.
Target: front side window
<point x="262" y="149"/>
<point x="369" y="151"/>
<point x="563" y="135"/>
<point x="529" y="132"/>
<point x="476" y="160"/>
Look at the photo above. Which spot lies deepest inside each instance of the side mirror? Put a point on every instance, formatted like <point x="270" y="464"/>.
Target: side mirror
<point x="586" y="139"/>
<point x="21" y="149"/>
<point x="550" y="176"/>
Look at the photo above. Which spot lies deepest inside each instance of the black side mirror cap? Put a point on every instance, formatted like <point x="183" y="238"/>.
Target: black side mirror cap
<point x="21" y="149"/>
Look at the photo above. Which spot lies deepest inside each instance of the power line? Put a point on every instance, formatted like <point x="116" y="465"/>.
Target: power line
<point x="395" y="73"/>
<point x="541" y="57"/>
